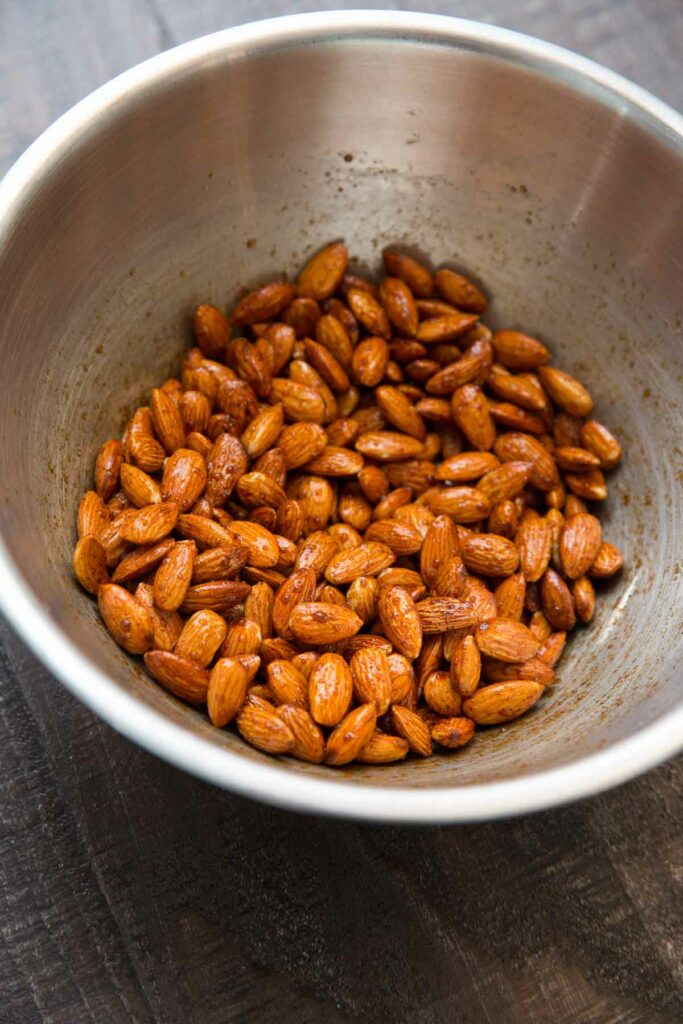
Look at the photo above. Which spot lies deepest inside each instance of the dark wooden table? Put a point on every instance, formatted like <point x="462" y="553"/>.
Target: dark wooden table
<point x="131" y="892"/>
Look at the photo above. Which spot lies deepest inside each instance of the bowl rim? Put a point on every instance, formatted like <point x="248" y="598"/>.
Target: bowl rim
<point x="149" y="727"/>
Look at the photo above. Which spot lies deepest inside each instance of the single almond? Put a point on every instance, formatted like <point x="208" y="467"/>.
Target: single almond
<point x="608" y="561"/>
<point x="463" y="504"/>
<point x="397" y="408"/>
<point x="168" y="423"/>
<point x="351" y="735"/>
<point x="518" y="351"/>
<point x="517" y="447"/>
<point x="141" y="561"/>
<point x="202" y="635"/>
<point x="453" y="732"/>
<point x="370" y="360"/>
<point x="510" y="595"/>
<point x="149" y="524"/>
<point x="460" y="291"/>
<point x="184" y="677"/>
<point x="438" y="614"/>
<point x="566" y="391"/>
<point x="184" y="478"/>
<point x="466" y="667"/>
<point x="211" y="331"/>
<point x="308" y="743"/>
<point x="557" y="602"/>
<point x="107" y="469"/>
<point x="601" y="442"/>
<point x="506" y="640"/>
<point x="471" y="413"/>
<point x="318" y="623"/>
<point x="263" y="303"/>
<point x="446" y="327"/>
<point x="323" y="273"/>
<point x="90" y="563"/>
<point x="580" y="541"/>
<point x="400" y="620"/>
<point x="534" y="539"/>
<point x="371" y="678"/>
<point x="399" y="305"/>
<point x="415" y="275"/>
<point x="330" y="689"/>
<point x="466" y="467"/>
<point x="502" y="702"/>
<point x="262" y="727"/>
<point x="93" y="515"/>
<point x="226" y="463"/>
<point x="369" y="312"/>
<point x="243" y="636"/>
<point x="227" y="690"/>
<point x="218" y="595"/>
<point x="367" y="559"/>
<point x="287" y="684"/>
<point x="410" y="726"/>
<point x="490" y="555"/>
<point x="220" y="563"/>
<point x="383" y="748"/>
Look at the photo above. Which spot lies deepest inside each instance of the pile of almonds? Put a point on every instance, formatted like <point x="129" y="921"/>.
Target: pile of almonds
<point x="357" y="523"/>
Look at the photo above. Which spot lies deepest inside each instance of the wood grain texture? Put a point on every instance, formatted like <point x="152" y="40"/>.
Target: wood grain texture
<point x="130" y="892"/>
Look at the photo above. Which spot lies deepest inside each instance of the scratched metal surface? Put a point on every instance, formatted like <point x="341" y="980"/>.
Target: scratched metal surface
<point x="131" y="892"/>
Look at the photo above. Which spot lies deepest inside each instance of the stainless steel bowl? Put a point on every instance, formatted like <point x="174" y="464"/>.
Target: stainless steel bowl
<point x="556" y="182"/>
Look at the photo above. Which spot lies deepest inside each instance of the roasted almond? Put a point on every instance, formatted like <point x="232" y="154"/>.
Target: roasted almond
<point x="371" y="678"/>
<point x="506" y="640"/>
<point x="90" y="563"/>
<point x="608" y="561"/>
<point x="580" y="541"/>
<point x="601" y="442"/>
<point x="438" y="614"/>
<point x="463" y="504"/>
<point x="317" y="623"/>
<point x="453" y="732"/>
<point x="502" y="702"/>
<point x="410" y="726"/>
<point x="330" y="688"/>
<point x="471" y="413"/>
<point x="202" y="635"/>
<point x="382" y="748"/>
<point x="399" y="305"/>
<point x="227" y="690"/>
<point x="351" y="735"/>
<point x="415" y="275"/>
<point x="400" y="412"/>
<point x="308" y="743"/>
<point x="516" y="447"/>
<point x="400" y="620"/>
<point x="323" y="273"/>
<point x="107" y="469"/>
<point x="490" y="555"/>
<point x="287" y="684"/>
<point x="519" y="351"/>
<point x="534" y="538"/>
<point x="218" y="595"/>
<point x="459" y="291"/>
<point x="370" y="360"/>
<point x="184" y="677"/>
<point x="466" y="666"/>
<point x="566" y="391"/>
<point x="557" y="602"/>
<point x="263" y="303"/>
<point x="262" y="727"/>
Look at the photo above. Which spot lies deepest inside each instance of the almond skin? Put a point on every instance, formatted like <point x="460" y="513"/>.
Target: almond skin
<point x="330" y="689"/>
<point x="262" y="727"/>
<point x="580" y="540"/>
<point x="506" y="640"/>
<point x="202" y="635"/>
<point x="400" y="620"/>
<point x="287" y="684"/>
<point x="320" y="623"/>
<point x="184" y="478"/>
<point x="323" y="273"/>
<point x="182" y="676"/>
<point x="308" y="743"/>
<point x="471" y="413"/>
<point x="371" y="678"/>
<point x="227" y="690"/>
<point x="490" y="555"/>
<point x="128" y="621"/>
<point x="351" y="735"/>
<point x="566" y="391"/>
<point x="416" y="276"/>
<point x="459" y="291"/>
<point x="519" y="351"/>
<point x="382" y="748"/>
<point x="453" y="732"/>
<point x="90" y="563"/>
<point x="502" y="702"/>
<point x="107" y="469"/>
<point x="466" y="667"/>
<point x="556" y="599"/>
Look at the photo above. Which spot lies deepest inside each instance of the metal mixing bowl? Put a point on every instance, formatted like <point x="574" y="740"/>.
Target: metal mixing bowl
<point x="212" y="166"/>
